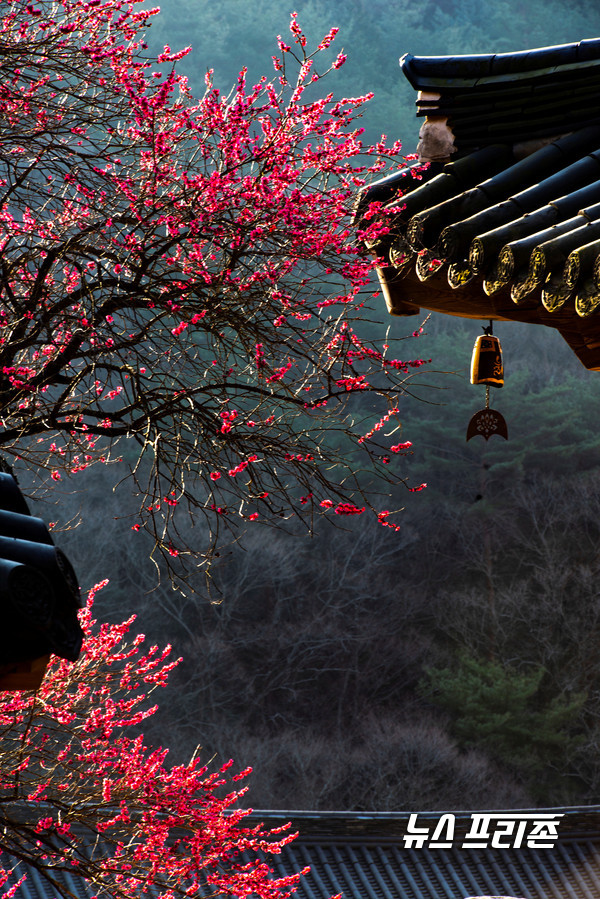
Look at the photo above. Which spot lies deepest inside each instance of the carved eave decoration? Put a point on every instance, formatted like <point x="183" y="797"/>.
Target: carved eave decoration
<point x="504" y="223"/>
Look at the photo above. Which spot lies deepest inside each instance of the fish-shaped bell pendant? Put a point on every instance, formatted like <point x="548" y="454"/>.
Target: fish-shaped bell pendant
<point x="487" y="368"/>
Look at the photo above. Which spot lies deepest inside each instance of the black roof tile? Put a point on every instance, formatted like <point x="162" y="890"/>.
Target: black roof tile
<point x="505" y="95"/>
<point x="427" y="72"/>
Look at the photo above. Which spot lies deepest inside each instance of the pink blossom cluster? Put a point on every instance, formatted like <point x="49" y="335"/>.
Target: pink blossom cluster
<point x="185" y="274"/>
<point x="74" y="755"/>
<point x="242" y="465"/>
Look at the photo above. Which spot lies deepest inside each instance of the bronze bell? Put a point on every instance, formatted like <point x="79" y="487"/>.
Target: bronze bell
<point x="486" y="362"/>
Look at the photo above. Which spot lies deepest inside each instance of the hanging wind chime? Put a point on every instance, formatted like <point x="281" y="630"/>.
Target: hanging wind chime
<point x="487" y="368"/>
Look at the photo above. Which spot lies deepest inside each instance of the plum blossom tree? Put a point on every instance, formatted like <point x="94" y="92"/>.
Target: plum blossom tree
<point x="179" y="279"/>
<point x="83" y="800"/>
<point x="179" y="284"/>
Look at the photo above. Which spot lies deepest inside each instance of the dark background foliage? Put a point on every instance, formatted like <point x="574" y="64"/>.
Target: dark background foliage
<point x="453" y="664"/>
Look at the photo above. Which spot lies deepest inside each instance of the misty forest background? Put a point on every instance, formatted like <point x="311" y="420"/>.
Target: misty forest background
<point x="454" y="664"/>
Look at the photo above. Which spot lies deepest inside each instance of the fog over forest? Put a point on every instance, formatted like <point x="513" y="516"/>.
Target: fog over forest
<point x="452" y="664"/>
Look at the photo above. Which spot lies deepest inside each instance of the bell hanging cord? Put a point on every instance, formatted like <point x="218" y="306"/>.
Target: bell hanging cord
<point x="487" y="368"/>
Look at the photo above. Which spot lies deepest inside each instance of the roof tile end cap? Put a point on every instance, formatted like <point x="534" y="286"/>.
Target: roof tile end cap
<point x="427" y="71"/>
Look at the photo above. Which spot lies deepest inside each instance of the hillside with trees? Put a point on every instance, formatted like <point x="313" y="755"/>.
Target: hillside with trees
<point x="373" y="673"/>
<point x="354" y="670"/>
<point x="374" y="36"/>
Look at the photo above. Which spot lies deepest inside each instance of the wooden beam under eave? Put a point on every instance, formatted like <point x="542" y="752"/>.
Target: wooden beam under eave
<point x="396" y="305"/>
<point x="23" y="675"/>
<point x="467" y="302"/>
<point x="585" y="344"/>
<point x="405" y="294"/>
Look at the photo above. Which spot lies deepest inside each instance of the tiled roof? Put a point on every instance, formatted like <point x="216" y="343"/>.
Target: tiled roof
<point x="510" y="96"/>
<point x="363" y="856"/>
<point x="507" y="229"/>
